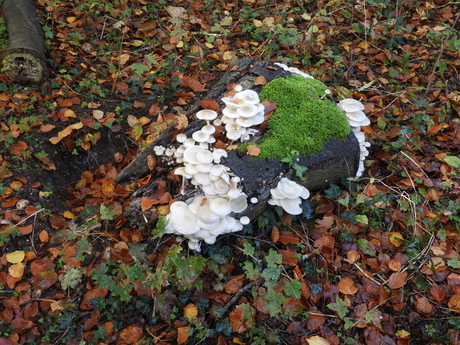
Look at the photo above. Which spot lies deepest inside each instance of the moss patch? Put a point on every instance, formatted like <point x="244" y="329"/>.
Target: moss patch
<point x="302" y="121"/>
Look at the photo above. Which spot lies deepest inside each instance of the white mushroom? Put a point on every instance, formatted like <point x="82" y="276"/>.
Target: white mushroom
<point x="350" y="105"/>
<point x="206" y="114"/>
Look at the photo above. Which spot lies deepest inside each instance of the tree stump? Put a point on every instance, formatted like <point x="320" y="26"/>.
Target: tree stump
<point x="24" y="59"/>
<point x="338" y="159"/>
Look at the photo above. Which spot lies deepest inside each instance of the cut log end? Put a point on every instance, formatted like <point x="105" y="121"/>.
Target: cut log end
<point x="23" y="66"/>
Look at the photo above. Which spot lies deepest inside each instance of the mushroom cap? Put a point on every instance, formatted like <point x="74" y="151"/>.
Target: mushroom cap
<point x="244" y="122"/>
<point x="200" y="136"/>
<point x="239" y="204"/>
<point x="220" y="206"/>
<point x="206" y="114"/>
<point x="202" y="179"/>
<point x="208" y="129"/>
<point x="217" y="154"/>
<point x="245" y="220"/>
<point x="364" y="122"/>
<point x="176" y="205"/>
<point x="220" y="187"/>
<point x="248" y="96"/>
<point x="181" y="137"/>
<point x="189" y="154"/>
<point x="181" y="171"/>
<point x="189" y="142"/>
<point x="222" y="228"/>
<point x="204" y="168"/>
<point x="291" y="205"/>
<point x="247" y="110"/>
<point x="229" y="112"/>
<point x="183" y="222"/>
<point x="357" y="116"/>
<point x="204" y="156"/>
<point x="349" y="105"/>
<point x="289" y="189"/>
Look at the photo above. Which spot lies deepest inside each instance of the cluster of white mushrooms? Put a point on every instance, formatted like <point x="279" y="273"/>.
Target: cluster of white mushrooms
<point x="214" y="211"/>
<point x="241" y="112"/>
<point x="287" y="194"/>
<point x="356" y="118"/>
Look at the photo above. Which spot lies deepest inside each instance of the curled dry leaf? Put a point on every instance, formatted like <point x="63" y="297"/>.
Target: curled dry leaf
<point x="454" y="303"/>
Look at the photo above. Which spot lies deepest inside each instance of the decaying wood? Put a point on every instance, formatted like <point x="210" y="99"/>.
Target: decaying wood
<point x="337" y="159"/>
<point x="24" y="59"/>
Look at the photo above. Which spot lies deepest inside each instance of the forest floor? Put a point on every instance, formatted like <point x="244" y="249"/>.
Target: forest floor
<point x="373" y="261"/>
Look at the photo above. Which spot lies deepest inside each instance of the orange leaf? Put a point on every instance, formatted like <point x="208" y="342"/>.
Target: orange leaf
<point x="260" y="80"/>
<point x="191" y="83"/>
<point x="190" y="311"/>
<point x="324" y="241"/>
<point x="347" y="286"/>
<point x="288" y="237"/>
<point x="46" y="128"/>
<point x="437" y="293"/>
<point x="397" y="280"/>
<point x="394" y="265"/>
<point x="233" y="286"/>
<point x="454" y="303"/>
<point x="18" y="148"/>
<point x="151" y="161"/>
<point x="43" y="236"/>
<point x="69" y="113"/>
<point x="44" y="280"/>
<point x="132" y="334"/>
<point x="148" y="202"/>
<point x="275" y="235"/>
<point x="182" y="335"/>
<point x="353" y="256"/>
<point x="253" y="150"/>
<point x="209" y="103"/>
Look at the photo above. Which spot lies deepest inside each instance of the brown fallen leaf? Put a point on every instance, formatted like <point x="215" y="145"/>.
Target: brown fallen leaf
<point x="347" y="286"/>
<point x="253" y="150"/>
<point x="397" y="280"/>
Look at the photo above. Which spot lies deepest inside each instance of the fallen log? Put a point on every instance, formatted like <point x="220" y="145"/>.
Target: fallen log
<point x="24" y="59"/>
<point x="337" y="160"/>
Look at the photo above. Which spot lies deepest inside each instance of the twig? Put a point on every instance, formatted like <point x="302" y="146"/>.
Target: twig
<point x="430" y="78"/>
<point x="242" y="291"/>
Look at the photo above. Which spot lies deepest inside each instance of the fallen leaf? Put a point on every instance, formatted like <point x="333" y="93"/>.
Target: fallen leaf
<point x="190" y="311"/>
<point x="15" y="257"/>
<point x="209" y="103"/>
<point x="454" y="303"/>
<point x="16" y="270"/>
<point x="191" y="83"/>
<point x="260" y="80"/>
<point x="423" y="305"/>
<point x="182" y="335"/>
<point x="397" y="280"/>
<point x="132" y="334"/>
<point x="396" y="239"/>
<point x="347" y="286"/>
<point x="253" y="150"/>
<point x="317" y="340"/>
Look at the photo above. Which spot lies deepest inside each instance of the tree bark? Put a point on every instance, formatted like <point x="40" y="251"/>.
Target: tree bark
<point x="24" y="59"/>
<point x="337" y="159"/>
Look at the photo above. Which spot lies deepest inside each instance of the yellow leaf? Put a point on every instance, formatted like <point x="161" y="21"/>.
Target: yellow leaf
<point x="123" y="58"/>
<point x="396" y="238"/>
<point x="16" y="270"/>
<point x="258" y="23"/>
<point x="70" y="19"/>
<point x="15" y="257"/>
<point x="190" y="311"/>
<point x="68" y="215"/>
<point x="317" y="340"/>
<point x="227" y="55"/>
<point x="363" y="45"/>
<point x="402" y="333"/>
<point x="69" y="113"/>
<point x="56" y="305"/>
<point x="77" y="125"/>
<point x="180" y="44"/>
<point x="55" y="140"/>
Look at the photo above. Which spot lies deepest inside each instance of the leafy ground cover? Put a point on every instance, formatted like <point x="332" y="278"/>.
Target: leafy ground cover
<point x="372" y="261"/>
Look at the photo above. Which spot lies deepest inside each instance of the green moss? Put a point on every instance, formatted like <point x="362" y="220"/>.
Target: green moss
<point x="302" y="121"/>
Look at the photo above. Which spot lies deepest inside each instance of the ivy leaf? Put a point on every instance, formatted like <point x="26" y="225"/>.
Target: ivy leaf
<point x="340" y="307"/>
<point x="333" y="191"/>
<point x="293" y="288"/>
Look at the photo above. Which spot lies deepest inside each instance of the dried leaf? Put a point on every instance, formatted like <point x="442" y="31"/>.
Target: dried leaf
<point x="253" y="150"/>
<point x="148" y="202"/>
<point x="209" y="103"/>
<point x="191" y="83"/>
<point x="182" y="335"/>
<point x="317" y="340"/>
<point x="260" y="80"/>
<point x="396" y="239"/>
<point x="437" y="293"/>
<point x="16" y="270"/>
<point x="233" y="286"/>
<point x="347" y="286"/>
<point x="454" y="303"/>
<point x="397" y="280"/>
<point x="190" y="311"/>
<point x="15" y="257"/>
<point x="132" y="334"/>
<point x="275" y="234"/>
<point x="288" y="237"/>
<point x="423" y="305"/>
